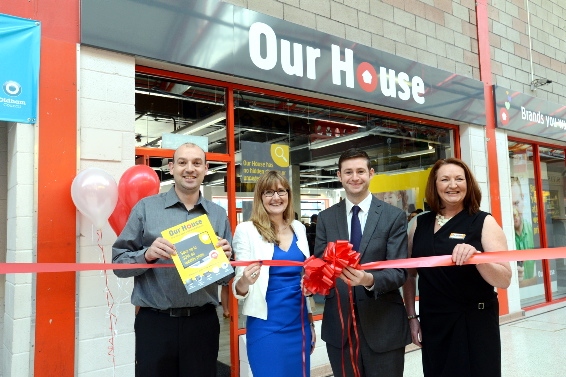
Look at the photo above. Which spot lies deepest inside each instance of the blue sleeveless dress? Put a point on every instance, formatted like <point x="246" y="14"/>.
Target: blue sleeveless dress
<point x="275" y="345"/>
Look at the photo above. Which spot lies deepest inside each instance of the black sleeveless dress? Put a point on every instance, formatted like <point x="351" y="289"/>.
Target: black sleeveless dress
<point x="459" y="311"/>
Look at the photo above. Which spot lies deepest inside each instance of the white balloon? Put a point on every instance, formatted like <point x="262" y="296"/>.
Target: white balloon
<point x="95" y="194"/>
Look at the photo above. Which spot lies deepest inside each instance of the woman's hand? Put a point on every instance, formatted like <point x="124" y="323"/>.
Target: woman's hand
<point x="251" y="273"/>
<point x="462" y="253"/>
<point x="249" y="277"/>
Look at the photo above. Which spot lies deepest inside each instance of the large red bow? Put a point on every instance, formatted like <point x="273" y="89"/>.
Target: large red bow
<point x="321" y="274"/>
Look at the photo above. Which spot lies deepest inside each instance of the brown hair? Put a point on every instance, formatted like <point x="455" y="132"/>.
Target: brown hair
<point x="472" y="199"/>
<point x="353" y="153"/>
<point x="260" y="217"/>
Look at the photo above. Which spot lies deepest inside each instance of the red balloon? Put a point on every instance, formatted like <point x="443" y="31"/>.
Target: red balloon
<point x="136" y="183"/>
<point x="119" y="217"/>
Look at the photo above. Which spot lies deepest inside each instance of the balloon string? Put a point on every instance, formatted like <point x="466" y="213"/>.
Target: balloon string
<point x="110" y="303"/>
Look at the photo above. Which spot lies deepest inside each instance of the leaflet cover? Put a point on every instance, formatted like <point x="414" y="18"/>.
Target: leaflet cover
<point x="198" y="262"/>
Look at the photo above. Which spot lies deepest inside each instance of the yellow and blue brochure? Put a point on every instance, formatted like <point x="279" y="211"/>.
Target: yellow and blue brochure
<point x="198" y="261"/>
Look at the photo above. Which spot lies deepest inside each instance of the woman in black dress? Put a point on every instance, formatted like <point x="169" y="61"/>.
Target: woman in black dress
<point x="459" y="312"/>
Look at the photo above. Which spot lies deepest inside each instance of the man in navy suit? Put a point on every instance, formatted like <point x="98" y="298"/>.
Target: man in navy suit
<point x="379" y="233"/>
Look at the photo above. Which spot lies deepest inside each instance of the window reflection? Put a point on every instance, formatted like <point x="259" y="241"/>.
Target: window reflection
<point x="553" y="171"/>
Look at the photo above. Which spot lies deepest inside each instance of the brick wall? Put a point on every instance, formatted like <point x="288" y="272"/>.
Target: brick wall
<point x="510" y="53"/>
<point x="106" y="134"/>
<point x="438" y="33"/>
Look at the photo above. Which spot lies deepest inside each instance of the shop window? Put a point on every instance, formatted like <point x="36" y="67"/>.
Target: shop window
<point x="526" y="221"/>
<point x="168" y="109"/>
<point x="554" y="194"/>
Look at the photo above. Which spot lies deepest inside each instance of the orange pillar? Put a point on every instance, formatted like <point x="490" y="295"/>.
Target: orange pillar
<point x="485" y="75"/>
<point x="57" y="164"/>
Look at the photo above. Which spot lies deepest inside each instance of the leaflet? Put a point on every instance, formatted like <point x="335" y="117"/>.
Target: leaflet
<point x="198" y="261"/>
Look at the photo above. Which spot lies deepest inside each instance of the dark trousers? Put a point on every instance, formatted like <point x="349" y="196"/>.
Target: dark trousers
<point x="369" y="363"/>
<point x="176" y="346"/>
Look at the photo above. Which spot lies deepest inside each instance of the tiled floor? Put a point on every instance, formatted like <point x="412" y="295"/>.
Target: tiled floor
<point x="531" y="346"/>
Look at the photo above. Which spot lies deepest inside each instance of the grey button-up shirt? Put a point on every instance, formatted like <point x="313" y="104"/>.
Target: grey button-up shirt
<point x="162" y="288"/>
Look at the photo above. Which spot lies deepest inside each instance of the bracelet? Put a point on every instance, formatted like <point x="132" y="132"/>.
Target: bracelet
<point x="415" y="316"/>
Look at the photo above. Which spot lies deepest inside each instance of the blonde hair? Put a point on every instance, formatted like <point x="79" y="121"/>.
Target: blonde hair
<point x="260" y="217"/>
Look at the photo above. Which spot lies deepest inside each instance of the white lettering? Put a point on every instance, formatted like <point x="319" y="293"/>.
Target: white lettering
<point x="296" y="68"/>
<point x="531" y="116"/>
<point x="418" y="89"/>
<point x="256" y="31"/>
<point x="339" y="65"/>
<point x="7" y="101"/>
<point x="387" y="82"/>
<point x="312" y="55"/>
<point x="403" y="80"/>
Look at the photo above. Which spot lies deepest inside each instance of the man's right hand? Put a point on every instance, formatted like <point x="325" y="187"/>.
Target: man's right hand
<point x="159" y="249"/>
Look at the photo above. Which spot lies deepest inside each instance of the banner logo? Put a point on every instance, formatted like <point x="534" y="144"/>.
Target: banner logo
<point x="12" y="88"/>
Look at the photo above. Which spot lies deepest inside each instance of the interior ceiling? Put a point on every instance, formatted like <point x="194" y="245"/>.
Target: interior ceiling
<point x="163" y="106"/>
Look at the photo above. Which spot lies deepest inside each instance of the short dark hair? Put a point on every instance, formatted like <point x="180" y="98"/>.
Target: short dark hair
<point x="473" y="193"/>
<point x="314" y="217"/>
<point x="353" y="153"/>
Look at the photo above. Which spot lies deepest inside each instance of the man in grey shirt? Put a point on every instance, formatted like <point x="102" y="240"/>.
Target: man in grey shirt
<point x="176" y="332"/>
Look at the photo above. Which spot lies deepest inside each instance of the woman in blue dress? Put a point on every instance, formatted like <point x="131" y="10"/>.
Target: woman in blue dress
<point x="279" y="332"/>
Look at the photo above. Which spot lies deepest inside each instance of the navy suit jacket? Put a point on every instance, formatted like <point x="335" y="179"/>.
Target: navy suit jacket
<point x="381" y="313"/>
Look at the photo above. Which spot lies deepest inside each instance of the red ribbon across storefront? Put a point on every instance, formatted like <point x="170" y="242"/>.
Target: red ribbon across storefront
<point x="320" y="274"/>
<point x="437" y="261"/>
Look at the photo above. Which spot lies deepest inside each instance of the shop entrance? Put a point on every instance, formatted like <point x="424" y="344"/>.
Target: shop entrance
<point x="307" y="135"/>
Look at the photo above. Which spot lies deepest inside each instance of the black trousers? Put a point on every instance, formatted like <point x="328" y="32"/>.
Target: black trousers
<point x="176" y="346"/>
<point x="369" y="363"/>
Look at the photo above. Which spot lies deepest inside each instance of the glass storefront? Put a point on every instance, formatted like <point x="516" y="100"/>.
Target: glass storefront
<point x="538" y="199"/>
<point x="305" y="137"/>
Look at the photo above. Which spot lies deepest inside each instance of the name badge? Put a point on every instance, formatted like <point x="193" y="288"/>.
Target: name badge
<point x="457" y="236"/>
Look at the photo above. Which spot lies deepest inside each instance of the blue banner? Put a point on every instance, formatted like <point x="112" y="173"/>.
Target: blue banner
<point x="19" y="68"/>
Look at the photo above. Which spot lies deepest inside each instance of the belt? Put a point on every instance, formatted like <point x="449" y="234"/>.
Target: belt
<point x="483" y="305"/>
<point x="183" y="312"/>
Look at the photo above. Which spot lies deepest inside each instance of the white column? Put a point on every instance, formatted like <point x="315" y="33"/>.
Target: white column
<point x="21" y="243"/>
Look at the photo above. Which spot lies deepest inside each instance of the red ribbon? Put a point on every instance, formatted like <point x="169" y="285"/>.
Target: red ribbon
<point x="437" y="261"/>
<point x="320" y="274"/>
<point x="320" y="277"/>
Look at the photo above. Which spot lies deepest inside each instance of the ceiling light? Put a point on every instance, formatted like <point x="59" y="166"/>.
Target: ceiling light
<point x="179" y="88"/>
<point x="402" y="171"/>
<point x="319" y="182"/>
<point x="203" y="123"/>
<point x="338" y="140"/>
<point x="417" y="153"/>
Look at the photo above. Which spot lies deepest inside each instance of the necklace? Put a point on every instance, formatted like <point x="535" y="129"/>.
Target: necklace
<point x="441" y="220"/>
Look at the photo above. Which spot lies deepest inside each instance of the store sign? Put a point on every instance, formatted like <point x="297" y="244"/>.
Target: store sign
<point x="221" y="37"/>
<point x="19" y="68"/>
<point x="529" y="115"/>
<point x="259" y="158"/>
<point x="392" y="85"/>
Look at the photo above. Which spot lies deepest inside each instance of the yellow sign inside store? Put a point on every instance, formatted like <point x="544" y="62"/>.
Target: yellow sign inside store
<point x="415" y="182"/>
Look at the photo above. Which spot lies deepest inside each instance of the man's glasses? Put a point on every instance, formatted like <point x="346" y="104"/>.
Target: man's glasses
<point x="270" y="193"/>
